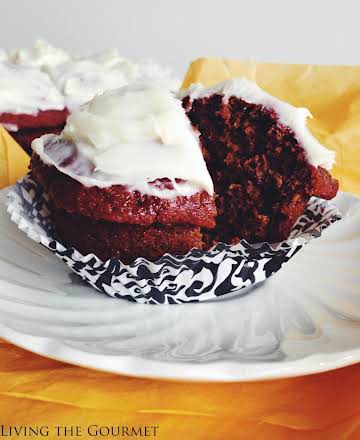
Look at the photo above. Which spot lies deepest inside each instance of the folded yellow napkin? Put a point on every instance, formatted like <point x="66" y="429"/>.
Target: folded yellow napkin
<point x="14" y="161"/>
<point x="331" y="93"/>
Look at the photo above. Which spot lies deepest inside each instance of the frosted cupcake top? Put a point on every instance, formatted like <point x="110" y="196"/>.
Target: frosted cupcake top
<point x="80" y="79"/>
<point x="26" y="90"/>
<point x="132" y="136"/>
<point x="288" y="115"/>
<point x="41" y="55"/>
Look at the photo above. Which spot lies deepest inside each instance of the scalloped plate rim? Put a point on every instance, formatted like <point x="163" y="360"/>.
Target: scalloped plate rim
<point x="218" y="371"/>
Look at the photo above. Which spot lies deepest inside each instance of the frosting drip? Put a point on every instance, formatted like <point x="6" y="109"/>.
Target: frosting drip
<point x="288" y="115"/>
<point x="132" y="136"/>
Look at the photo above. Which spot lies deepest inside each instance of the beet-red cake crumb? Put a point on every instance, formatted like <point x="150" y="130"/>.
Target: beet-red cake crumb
<point x="117" y="222"/>
<point x="117" y="204"/>
<point x="43" y="118"/>
<point x="31" y="127"/>
<point x="123" y="240"/>
<point x="262" y="178"/>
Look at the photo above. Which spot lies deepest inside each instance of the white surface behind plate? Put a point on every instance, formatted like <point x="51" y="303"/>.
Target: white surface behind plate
<point x="174" y="33"/>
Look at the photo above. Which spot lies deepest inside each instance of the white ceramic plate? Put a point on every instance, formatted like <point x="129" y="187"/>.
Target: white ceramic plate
<point x="304" y="319"/>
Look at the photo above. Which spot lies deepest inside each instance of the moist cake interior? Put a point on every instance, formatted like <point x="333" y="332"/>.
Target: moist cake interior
<point x="261" y="175"/>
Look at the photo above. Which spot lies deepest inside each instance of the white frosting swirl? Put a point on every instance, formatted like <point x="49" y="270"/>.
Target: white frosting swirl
<point x="131" y="136"/>
<point x="80" y="79"/>
<point x="42" y="54"/>
<point x="290" y="116"/>
<point x="27" y="90"/>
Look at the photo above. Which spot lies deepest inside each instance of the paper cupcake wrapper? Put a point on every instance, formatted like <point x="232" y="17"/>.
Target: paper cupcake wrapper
<point x="197" y="276"/>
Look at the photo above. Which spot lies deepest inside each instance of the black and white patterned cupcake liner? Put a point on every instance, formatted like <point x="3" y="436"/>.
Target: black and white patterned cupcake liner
<point x="196" y="276"/>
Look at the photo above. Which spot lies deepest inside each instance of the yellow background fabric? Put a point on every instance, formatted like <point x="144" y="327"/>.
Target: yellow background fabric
<point x="14" y="161"/>
<point x="38" y="391"/>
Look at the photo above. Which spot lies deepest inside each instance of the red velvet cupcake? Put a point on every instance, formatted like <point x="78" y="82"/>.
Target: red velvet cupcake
<point x="30" y="104"/>
<point x="126" y="178"/>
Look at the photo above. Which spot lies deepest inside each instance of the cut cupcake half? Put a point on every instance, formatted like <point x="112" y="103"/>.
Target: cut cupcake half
<point x="264" y="162"/>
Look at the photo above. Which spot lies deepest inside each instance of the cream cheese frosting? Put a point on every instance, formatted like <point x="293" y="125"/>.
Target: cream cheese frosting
<point x="42" y="54"/>
<point x="293" y="117"/>
<point x="131" y="136"/>
<point x="80" y="79"/>
<point x="27" y="90"/>
<point x="148" y="71"/>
